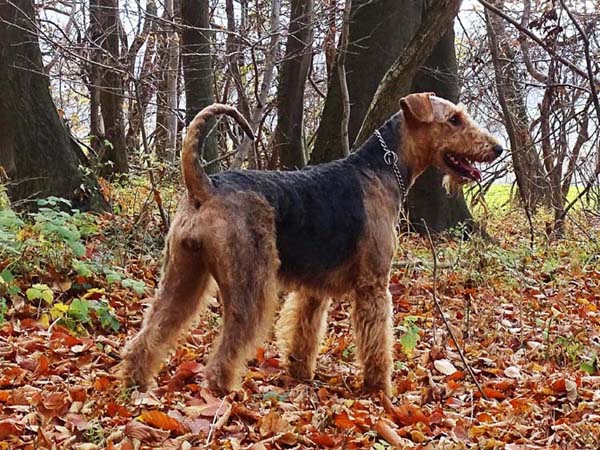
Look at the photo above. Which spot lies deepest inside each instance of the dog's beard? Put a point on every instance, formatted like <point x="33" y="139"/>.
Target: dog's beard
<point x="452" y="184"/>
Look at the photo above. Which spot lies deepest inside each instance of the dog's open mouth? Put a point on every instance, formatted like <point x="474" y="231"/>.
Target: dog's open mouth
<point x="462" y="166"/>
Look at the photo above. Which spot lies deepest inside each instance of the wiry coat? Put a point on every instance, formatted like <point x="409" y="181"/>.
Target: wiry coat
<point x="319" y="232"/>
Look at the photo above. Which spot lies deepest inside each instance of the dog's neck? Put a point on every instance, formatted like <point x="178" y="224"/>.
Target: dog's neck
<point x="370" y="153"/>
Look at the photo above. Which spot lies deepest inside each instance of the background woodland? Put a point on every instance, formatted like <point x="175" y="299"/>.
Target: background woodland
<point x="94" y="100"/>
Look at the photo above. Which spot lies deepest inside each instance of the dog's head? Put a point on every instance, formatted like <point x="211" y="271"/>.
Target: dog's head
<point x="442" y="134"/>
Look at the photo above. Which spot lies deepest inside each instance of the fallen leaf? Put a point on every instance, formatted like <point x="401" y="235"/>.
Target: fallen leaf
<point x="512" y="372"/>
<point x="10" y="428"/>
<point x="387" y="432"/>
<point x="145" y="433"/>
<point x="342" y="421"/>
<point x="444" y="366"/>
<point x="322" y="440"/>
<point x="409" y="415"/>
<point x="571" y="389"/>
<point x="161" y="420"/>
<point x="273" y="423"/>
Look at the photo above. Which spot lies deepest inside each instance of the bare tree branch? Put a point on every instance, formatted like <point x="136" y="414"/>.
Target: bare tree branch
<point x="396" y="82"/>
<point x="341" y="63"/>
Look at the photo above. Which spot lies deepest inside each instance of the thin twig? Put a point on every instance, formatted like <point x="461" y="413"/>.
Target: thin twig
<point x="439" y="308"/>
<point x="341" y="66"/>
<point x="155" y="191"/>
<point x="214" y="421"/>
<point x="536" y="39"/>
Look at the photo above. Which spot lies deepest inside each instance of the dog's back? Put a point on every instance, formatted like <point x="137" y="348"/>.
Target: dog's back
<point x="317" y="231"/>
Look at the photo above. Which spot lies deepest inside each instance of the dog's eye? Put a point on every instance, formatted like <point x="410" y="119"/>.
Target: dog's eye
<point x="455" y="120"/>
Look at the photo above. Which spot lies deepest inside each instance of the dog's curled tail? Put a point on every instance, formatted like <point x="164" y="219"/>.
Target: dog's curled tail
<point x="196" y="181"/>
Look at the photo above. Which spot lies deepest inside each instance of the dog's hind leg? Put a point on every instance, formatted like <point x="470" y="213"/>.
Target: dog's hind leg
<point x="372" y="321"/>
<point x="245" y="268"/>
<point x="179" y="298"/>
<point x="299" y="331"/>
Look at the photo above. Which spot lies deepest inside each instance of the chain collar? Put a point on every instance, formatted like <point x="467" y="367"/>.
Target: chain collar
<point x="391" y="159"/>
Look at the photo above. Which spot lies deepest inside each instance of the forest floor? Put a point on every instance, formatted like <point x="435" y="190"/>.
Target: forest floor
<point x="73" y="289"/>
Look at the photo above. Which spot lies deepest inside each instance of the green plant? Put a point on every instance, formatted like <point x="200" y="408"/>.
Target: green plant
<point x="411" y="334"/>
<point x="83" y="312"/>
<point x="591" y="364"/>
<point x="3" y="309"/>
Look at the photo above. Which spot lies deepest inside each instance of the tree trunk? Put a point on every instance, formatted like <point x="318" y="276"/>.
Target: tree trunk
<point x="161" y="134"/>
<point x="289" y="143"/>
<point x="533" y="185"/>
<point x="104" y="23"/>
<point x="36" y="150"/>
<point x="427" y="199"/>
<point x="380" y="33"/>
<point x="172" y="75"/>
<point x="147" y="76"/>
<point x="197" y="70"/>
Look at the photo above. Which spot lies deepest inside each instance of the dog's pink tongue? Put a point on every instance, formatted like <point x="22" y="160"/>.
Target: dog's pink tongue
<point x="473" y="171"/>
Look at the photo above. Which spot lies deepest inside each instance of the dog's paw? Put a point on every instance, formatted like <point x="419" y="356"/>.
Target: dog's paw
<point x="377" y="387"/>
<point x="134" y="377"/>
<point x="219" y="380"/>
<point x="300" y="370"/>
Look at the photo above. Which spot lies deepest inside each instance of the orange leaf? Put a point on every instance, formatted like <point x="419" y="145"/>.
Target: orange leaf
<point x="491" y="393"/>
<point x="453" y="385"/>
<point x="323" y="440"/>
<point x="161" y="420"/>
<point x="484" y="418"/>
<point x="521" y="404"/>
<point x="42" y="366"/>
<point x="458" y="375"/>
<point x="323" y="394"/>
<point x="503" y="384"/>
<point x="9" y="427"/>
<point x="185" y="372"/>
<point x="101" y="384"/>
<point x="559" y="385"/>
<point x="403" y="385"/>
<point x="344" y="422"/>
<point x="386" y="431"/>
<point x="409" y="415"/>
<point x="112" y="409"/>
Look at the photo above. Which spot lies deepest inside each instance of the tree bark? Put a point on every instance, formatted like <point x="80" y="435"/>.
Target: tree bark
<point x="197" y="70"/>
<point x="395" y="38"/>
<point x="147" y="76"/>
<point x="104" y="23"/>
<point x="36" y="150"/>
<point x="533" y="185"/>
<point x="171" y="83"/>
<point x="397" y="81"/>
<point x="289" y="143"/>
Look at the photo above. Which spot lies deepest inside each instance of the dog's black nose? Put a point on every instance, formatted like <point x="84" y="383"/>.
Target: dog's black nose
<point x="498" y="150"/>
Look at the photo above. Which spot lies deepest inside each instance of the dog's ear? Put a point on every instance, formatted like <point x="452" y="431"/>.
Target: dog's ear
<point x="418" y="107"/>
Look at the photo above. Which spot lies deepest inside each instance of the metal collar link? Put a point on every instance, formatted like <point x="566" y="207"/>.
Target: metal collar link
<point x="391" y="159"/>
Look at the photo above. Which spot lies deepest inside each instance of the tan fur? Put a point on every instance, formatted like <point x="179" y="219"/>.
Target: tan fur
<point x="427" y="141"/>
<point x="231" y="237"/>
<point x="299" y="330"/>
<point x="198" y="185"/>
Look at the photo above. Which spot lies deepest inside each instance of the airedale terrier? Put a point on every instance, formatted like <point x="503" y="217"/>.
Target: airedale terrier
<point x="326" y="231"/>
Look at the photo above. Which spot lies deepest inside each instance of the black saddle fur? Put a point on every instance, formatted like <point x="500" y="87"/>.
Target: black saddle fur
<point x="319" y="211"/>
